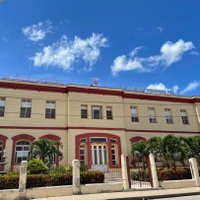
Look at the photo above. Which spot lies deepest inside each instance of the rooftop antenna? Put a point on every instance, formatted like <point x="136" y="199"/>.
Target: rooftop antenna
<point x="95" y="82"/>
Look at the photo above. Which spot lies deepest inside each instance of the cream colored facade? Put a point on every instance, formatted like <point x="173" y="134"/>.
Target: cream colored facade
<point x="99" y="141"/>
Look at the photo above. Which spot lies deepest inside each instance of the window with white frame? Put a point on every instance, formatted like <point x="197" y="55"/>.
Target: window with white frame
<point x="184" y="117"/>
<point x="97" y="112"/>
<point x="152" y="115"/>
<point x="50" y="111"/>
<point x="2" y="106"/>
<point x="134" y="114"/>
<point x="168" y="116"/>
<point x="82" y="155"/>
<point x="22" y="150"/>
<point x="84" y="111"/>
<point x="109" y="114"/>
<point x="114" y="155"/>
<point x="25" y="108"/>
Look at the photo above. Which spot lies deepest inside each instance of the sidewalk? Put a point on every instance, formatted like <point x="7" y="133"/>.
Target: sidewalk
<point x="131" y="194"/>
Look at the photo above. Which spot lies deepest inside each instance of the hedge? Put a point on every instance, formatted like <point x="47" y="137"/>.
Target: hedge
<point x="172" y="174"/>
<point x="163" y="174"/>
<point x="42" y="180"/>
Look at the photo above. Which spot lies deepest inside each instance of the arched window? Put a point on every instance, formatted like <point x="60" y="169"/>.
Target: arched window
<point x="22" y="150"/>
<point x="137" y="139"/>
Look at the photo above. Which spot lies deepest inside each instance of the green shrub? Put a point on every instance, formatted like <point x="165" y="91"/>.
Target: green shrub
<point x="42" y="180"/>
<point x="140" y="175"/>
<point x="163" y="174"/>
<point x="83" y="167"/>
<point x="92" y="177"/>
<point x="9" y="182"/>
<point x="53" y="179"/>
<point x="58" y="170"/>
<point x="69" y="169"/>
<point x="37" y="167"/>
<point x="172" y="174"/>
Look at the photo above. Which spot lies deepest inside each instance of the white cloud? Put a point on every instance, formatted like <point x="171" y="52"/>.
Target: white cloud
<point x="161" y="86"/>
<point x="122" y="63"/>
<point x="173" y="52"/>
<point x="65" y="53"/>
<point x="169" y="53"/>
<point x="191" y="87"/>
<point x="38" y="31"/>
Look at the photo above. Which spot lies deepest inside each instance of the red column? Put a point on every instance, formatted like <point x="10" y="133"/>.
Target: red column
<point x="109" y="155"/>
<point x="89" y="155"/>
<point x="119" y="152"/>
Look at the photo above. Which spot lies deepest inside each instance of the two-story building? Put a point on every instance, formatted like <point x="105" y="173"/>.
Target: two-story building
<point x="94" y="124"/>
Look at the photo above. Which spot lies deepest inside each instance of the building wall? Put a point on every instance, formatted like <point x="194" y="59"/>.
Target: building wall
<point x="77" y="99"/>
<point x="161" y="124"/>
<point x="10" y="133"/>
<point x="13" y="104"/>
<point x="68" y="123"/>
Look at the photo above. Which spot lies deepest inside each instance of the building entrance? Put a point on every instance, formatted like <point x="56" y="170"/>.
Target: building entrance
<point x="99" y="157"/>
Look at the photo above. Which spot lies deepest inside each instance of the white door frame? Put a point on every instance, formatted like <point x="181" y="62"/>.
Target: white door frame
<point x="99" y="162"/>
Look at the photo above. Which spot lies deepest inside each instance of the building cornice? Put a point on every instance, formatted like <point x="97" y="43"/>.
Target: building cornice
<point x="94" y="90"/>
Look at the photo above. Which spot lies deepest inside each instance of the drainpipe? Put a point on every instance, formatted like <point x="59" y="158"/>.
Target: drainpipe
<point x="68" y="128"/>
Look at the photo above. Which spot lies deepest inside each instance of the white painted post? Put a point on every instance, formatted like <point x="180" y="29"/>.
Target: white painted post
<point x="153" y="171"/>
<point x="194" y="171"/>
<point x="125" y="180"/>
<point x="22" y="179"/>
<point x="76" y="177"/>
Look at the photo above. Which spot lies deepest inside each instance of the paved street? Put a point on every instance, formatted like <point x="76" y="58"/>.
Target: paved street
<point x="193" y="197"/>
<point x="136" y="195"/>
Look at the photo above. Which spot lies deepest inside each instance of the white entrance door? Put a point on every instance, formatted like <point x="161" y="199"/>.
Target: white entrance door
<point x="99" y="157"/>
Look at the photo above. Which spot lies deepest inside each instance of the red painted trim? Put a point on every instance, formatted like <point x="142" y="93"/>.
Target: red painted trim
<point x="3" y="140"/>
<point x="160" y="131"/>
<point x="89" y="154"/>
<point x="51" y="137"/>
<point x="98" y="91"/>
<point x="136" y="139"/>
<point x="128" y="171"/>
<point x="97" y="128"/>
<point x="88" y="143"/>
<point x="90" y="90"/>
<point x="31" y="86"/>
<point x="19" y="138"/>
<point x="33" y="128"/>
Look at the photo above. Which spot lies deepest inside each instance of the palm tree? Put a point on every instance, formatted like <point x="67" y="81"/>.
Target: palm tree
<point x="194" y="145"/>
<point x="155" y="146"/>
<point x="140" y="152"/>
<point x="46" y="150"/>
<point x="172" y="150"/>
<point x="185" y="149"/>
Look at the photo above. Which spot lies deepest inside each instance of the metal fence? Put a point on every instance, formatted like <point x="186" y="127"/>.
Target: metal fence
<point x="113" y="175"/>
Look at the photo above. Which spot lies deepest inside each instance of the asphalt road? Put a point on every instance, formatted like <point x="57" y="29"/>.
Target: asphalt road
<point x="193" y="197"/>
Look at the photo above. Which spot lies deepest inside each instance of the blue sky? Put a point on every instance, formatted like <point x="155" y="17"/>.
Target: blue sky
<point x="132" y="43"/>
